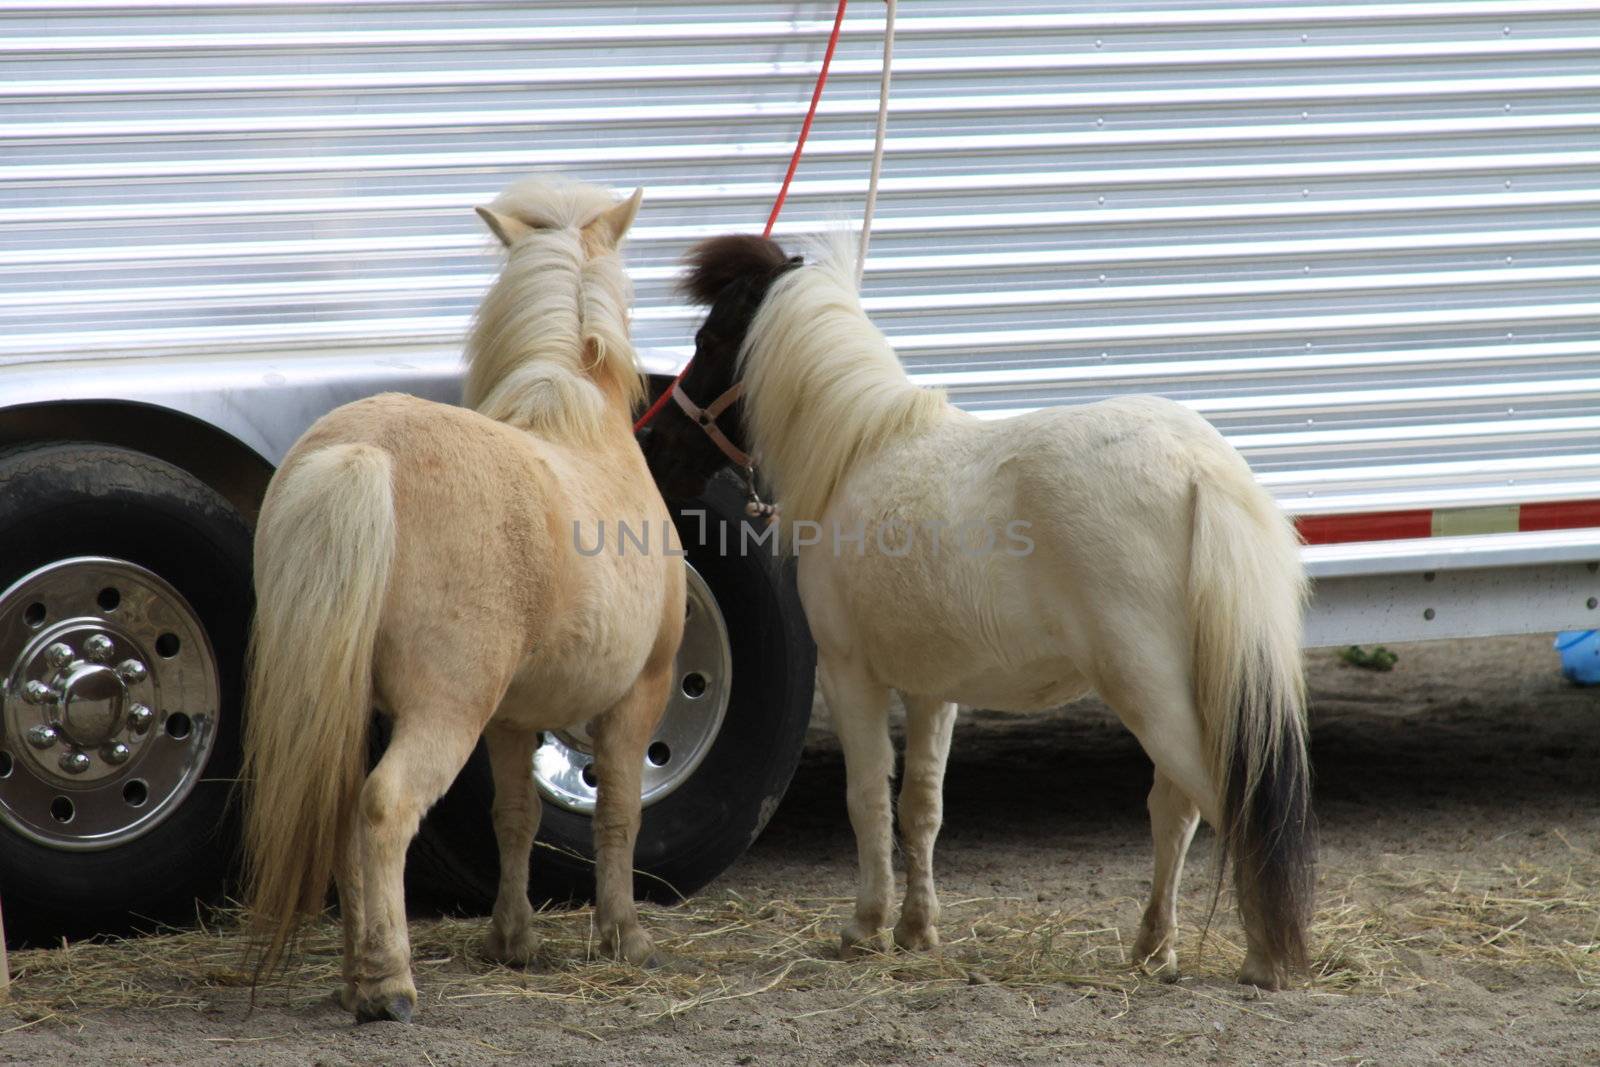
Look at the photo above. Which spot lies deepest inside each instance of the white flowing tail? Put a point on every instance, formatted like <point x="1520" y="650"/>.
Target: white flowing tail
<point x="1247" y="590"/>
<point x="324" y="547"/>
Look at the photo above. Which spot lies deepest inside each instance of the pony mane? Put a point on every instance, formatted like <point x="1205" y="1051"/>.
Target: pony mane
<point x="551" y="335"/>
<point x="824" y="388"/>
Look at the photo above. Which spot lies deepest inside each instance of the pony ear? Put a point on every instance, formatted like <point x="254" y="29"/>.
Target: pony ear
<point x="613" y="222"/>
<point x="508" y="229"/>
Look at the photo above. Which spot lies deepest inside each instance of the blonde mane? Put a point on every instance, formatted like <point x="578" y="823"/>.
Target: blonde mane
<point x="824" y="390"/>
<point x="550" y="339"/>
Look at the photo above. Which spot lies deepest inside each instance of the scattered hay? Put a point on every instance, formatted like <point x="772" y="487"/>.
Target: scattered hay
<point x="1380" y="933"/>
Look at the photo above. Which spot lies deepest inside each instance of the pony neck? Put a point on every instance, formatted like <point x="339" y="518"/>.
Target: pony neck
<point x="825" y="390"/>
<point x="549" y="350"/>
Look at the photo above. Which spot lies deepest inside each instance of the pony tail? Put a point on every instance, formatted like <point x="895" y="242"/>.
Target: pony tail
<point x="718" y="262"/>
<point x="324" y="548"/>
<point x="1247" y="591"/>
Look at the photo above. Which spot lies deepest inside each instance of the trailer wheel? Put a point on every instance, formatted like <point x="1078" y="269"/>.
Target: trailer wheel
<point x="720" y="761"/>
<point x="124" y="603"/>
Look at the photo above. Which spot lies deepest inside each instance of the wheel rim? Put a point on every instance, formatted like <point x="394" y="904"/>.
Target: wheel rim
<point x="108" y="704"/>
<point x="702" y="682"/>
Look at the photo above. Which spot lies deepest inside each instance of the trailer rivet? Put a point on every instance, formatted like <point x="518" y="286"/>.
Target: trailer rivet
<point x="1428" y="614"/>
<point x="1592" y="602"/>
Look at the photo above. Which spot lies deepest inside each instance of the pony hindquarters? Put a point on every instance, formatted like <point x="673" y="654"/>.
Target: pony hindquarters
<point x="324" y="547"/>
<point x="1212" y="686"/>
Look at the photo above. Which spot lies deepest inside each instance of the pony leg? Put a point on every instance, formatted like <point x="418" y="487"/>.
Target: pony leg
<point x="418" y="767"/>
<point x="1154" y="701"/>
<point x="347" y="878"/>
<point x="928" y="726"/>
<point x="1152" y="697"/>
<point x="1173" y="818"/>
<point x="621" y="736"/>
<point x="516" y="821"/>
<point x="860" y="709"/>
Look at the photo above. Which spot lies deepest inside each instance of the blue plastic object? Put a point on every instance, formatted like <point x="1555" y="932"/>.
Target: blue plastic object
<point x="1580" y="655"/>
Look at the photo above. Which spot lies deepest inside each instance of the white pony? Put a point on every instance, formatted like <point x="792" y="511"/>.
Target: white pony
<point x="1122" y="547"/>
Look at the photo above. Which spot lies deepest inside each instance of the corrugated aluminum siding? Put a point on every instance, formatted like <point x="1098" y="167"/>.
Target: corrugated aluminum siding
<point x="1359" y="237"/>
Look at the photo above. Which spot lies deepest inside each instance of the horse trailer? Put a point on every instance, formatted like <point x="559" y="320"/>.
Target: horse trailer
<point x="1358" y="238"/>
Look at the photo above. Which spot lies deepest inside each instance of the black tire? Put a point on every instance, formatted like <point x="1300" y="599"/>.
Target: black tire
<point x="66" y="499"/>
<point x="694" y="834"/>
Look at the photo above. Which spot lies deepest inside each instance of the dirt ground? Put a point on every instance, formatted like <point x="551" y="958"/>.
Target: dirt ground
<point x="1458" y="921"/>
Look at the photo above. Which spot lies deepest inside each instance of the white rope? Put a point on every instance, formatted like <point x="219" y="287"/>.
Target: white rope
<point x="877" y="144"/>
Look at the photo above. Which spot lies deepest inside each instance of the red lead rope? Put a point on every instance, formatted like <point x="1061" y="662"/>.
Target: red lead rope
<point x="783" y="191"/>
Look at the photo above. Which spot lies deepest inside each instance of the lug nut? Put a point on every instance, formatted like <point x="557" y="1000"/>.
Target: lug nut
<point x="141" y="717"/>
<point x="42" y="736"/>
<point x="98" y="648"/>
<point x="74" y="762"/>
<point x="58" y="655"/>
<point x="117" y="752"/>
<point x="37" y="692"/>
<point x="132" y="671"/>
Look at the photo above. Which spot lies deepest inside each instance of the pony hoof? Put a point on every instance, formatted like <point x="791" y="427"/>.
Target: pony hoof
<point x="346" y="996"/>
<point x="916" y="938"/>
<point x="1162" y="965"/>
<point x="396" y="1010"/>
<point x="1164" y="972"/>
<point x="634" y="949"/>
<point x="853" y="943"/>
<point x="519" y="950"/>
<point x="1263" y="976"/>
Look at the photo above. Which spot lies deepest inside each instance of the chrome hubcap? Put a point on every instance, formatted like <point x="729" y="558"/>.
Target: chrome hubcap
<point x="108" y="702"/>
<point x="703" y="678"/>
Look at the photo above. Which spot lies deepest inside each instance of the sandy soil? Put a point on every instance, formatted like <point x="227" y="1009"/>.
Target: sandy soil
<point x="1458" y="922"/>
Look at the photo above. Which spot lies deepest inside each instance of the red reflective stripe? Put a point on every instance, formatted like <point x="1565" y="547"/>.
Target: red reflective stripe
<point x="1368" y="526"/>
<point x="1395" y="525"/>
<point x="1559" y="515"/>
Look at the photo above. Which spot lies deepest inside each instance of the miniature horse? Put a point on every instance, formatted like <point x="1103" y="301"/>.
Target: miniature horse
<point x="1018" y="563"/>
<point x="420" y="558"/>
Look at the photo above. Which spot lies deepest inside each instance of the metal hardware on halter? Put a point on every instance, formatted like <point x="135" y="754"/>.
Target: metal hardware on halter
<point x="754" y="506"/>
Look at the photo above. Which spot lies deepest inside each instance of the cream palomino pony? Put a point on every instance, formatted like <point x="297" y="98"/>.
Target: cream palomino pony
<point x="1016" y="564"/>
<point x="420" y="558"/>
